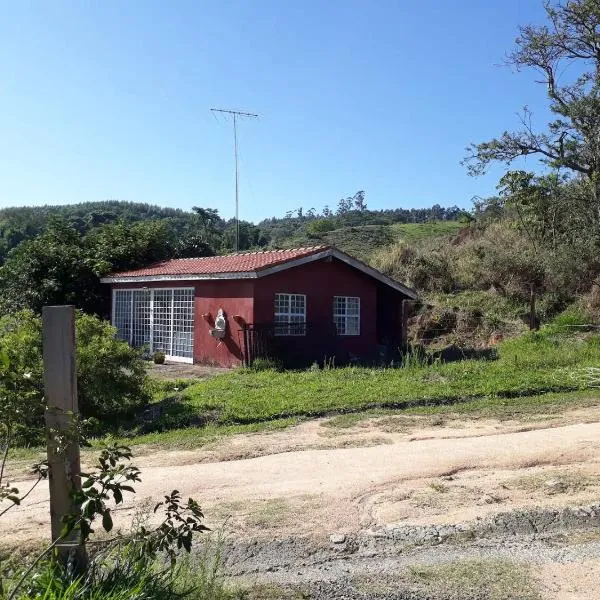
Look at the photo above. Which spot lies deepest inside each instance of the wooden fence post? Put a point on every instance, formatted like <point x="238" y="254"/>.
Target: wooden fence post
<point x="60" y="386"/>
<point x="406" y="311"/>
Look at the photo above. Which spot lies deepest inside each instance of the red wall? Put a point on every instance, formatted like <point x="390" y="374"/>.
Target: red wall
<point x="320" y="281"/>
<point x="235" y="298"/>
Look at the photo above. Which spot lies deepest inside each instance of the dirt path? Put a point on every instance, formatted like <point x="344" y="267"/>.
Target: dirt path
<point x="314" y="481"/>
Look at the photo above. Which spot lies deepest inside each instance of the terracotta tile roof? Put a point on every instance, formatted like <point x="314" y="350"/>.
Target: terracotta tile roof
<point x="242" y="262"/>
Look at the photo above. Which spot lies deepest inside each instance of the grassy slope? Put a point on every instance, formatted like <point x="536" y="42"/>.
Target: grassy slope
<point x="412" y="232"/>
<point x="530" y="365"/>
<point x="363" y="240"/>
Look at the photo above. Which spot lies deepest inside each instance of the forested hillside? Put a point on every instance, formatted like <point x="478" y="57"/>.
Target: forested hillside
<point x="56" y="254"/>
<point x="537" y="240"/>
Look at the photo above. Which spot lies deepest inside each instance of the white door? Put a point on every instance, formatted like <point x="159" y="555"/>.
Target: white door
<point x="162" y="319"/>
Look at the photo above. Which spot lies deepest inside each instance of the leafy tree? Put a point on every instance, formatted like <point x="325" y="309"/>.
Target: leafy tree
<point x="250" y="235"/>
<point x="358" y="201"/>
<point x="50" y="269"/>
<point x="572" y="140"/>
<point x="319" y="227"/>
<point x="119" y="246"/>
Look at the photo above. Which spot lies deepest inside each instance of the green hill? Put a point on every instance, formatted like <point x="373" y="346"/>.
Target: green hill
<point x="362" y="241"/>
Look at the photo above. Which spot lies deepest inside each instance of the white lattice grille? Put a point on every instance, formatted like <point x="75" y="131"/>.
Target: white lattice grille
<point x="140" y="327"/>
<point x="346" y="315"/>
<point x="183" y="323"/>
<point x="290" y="314"/>
<point x="163" y="319"/>
<point x="122" y="313"/>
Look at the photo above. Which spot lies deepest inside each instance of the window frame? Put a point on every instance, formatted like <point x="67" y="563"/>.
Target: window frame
<point x="289" y="325"/>
<point x="345" y="316"/>
<point x="183" y="308"/>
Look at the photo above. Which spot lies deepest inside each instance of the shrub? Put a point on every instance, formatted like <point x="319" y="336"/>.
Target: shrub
<point x="319" y="227"/>
<point x="111" y="375"/>
<point x="159" y="358"/>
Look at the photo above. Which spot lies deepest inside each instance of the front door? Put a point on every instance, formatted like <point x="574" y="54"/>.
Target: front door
<point x="161" y="319"/>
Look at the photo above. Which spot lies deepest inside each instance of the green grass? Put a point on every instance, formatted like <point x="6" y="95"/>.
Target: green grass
<point x="413" y="232"/>
<point x="196" y="437"/>
<point x="528" y="366"/>
<point x="536" y="374"/>
<point x="362" y="241"/>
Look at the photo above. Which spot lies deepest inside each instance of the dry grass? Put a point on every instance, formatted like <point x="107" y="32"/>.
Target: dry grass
<point x="489" y="579"/>
<point x="552" y="483"/>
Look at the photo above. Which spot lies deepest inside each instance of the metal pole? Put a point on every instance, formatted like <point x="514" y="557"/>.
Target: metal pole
<point x="60" y="388"/>
<point x="236" y="113"/>
<point x="237" y="186"/>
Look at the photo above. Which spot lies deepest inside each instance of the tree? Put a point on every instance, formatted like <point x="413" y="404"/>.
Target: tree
<point x="319" y="227"/>
<point x="359" y="201"/>
<point x="210" y="223"/>
<point x="49" y="269"/>
<point x="571" y="38"/>
<point x="344" y="205"/>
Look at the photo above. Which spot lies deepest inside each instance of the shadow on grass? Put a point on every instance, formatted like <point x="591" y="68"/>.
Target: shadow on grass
<point x="172" y="413"/>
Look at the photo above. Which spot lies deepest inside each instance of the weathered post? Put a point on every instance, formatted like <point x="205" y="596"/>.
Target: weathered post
<point x="532" y="311"/>
<point x="406" y="310"/>
<point x="60" y="385"/>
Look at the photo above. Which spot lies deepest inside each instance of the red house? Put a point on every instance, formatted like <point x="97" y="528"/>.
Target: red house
<point x="298" y="306"/>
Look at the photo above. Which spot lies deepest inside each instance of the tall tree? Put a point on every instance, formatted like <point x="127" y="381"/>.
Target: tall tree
<point x="570" y="42"/>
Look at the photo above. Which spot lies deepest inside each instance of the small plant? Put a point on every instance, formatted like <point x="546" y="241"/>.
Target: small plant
<point x="438" y="487"/>
<point x="414" y="358"/>
<point x="265" y="364"/>
<point x="159" y="358"/>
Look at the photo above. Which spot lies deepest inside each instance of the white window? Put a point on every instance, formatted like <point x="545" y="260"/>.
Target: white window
<point x="290" y="314"/>
<point x="161" y="319"/>
<point x="346" y="315"/>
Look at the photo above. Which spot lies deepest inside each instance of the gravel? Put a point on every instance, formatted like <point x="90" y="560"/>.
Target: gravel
<point x="330" y="569"/>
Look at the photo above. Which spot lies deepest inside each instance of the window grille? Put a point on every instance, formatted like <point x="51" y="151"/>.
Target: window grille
<point x="161" y="319"/>
<point x="346" y="315"/>
<point x="290" y="314"/>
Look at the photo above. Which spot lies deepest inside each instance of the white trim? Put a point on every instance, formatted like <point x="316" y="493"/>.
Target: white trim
<point x="180" y="277"/>
<point x="179" y="359"/>
<point x="330" y="252"/>
<point x="346" y="315"/>
<point x="289" y="314"/>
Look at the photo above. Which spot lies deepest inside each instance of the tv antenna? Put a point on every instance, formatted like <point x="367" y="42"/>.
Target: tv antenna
<point x="236" y="114"/>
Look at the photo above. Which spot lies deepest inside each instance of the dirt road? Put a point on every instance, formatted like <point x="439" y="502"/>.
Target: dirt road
<point x="382" y="475"/>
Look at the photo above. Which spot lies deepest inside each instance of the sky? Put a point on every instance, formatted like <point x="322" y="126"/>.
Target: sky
<point x="110" y="100"/>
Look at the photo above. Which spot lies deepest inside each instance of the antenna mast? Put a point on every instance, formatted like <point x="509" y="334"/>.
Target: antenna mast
<point x="236" y="114"/>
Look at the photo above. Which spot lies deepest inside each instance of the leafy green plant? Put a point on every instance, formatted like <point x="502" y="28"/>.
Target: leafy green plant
<point x="112" y="379"/>
<point x="136" y="557"/>
<point x="159" y="358"/>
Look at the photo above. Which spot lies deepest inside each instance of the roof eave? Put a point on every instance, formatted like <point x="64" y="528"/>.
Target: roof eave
<point x="178" y="277"/>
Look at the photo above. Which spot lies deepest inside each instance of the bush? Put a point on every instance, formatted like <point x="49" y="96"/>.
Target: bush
<point x="319" y="227"/>
<point x="111" y="375"/>
<point x="159" y="358"/>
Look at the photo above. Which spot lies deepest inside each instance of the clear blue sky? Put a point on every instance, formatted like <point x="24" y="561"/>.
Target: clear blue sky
<point x="110" y="99"/>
